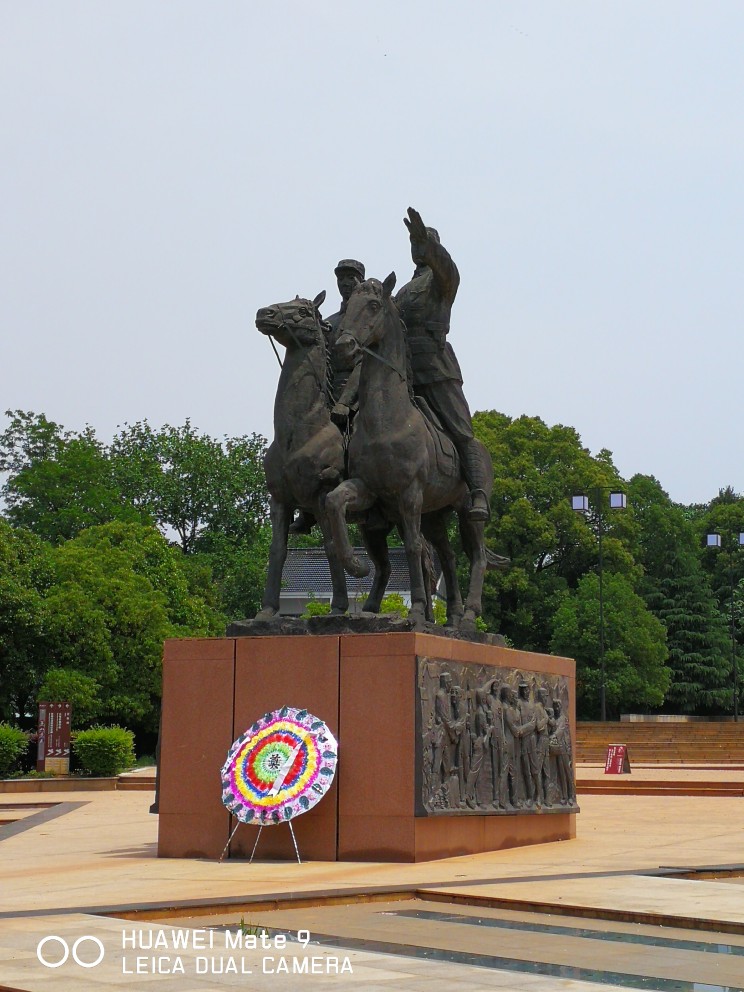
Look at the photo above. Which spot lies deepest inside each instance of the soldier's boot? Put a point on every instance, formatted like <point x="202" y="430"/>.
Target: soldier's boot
<point x="302" y="524"/>
<point x="479" y="508"/>
<point x="477" y="479"/>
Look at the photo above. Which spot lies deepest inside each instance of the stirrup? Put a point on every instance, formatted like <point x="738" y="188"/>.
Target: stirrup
<point x="479" y="508"/>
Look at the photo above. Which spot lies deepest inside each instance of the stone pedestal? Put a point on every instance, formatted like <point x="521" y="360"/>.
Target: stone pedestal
<point x="366" y="687"/>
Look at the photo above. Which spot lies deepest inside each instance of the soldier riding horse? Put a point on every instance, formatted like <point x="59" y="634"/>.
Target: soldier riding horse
<point x="401" y="463"/>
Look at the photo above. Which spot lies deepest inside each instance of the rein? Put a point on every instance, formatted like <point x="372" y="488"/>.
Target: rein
<point x="368" y="351"/>
<point x="281" y="366"/>
<point x="323" y="387"/>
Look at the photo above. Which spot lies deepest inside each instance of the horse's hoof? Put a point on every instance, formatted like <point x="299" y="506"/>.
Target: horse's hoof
<point x="356" y="568"/>
<point x="336" y="611"/>
<point x="467" y="623"/>
<point x="417" y="614"/>
<point x="267" y="613"/>
<point x="454" y="621"/>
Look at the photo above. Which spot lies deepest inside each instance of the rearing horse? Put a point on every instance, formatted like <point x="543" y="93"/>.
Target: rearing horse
<point x="306" y="459"/>
<point x="398" y="460"/>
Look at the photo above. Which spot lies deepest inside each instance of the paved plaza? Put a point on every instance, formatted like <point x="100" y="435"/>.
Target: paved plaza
<point x="650" y="895"/>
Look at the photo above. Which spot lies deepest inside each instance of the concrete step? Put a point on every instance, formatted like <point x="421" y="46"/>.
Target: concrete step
<point x="627" y="786"/>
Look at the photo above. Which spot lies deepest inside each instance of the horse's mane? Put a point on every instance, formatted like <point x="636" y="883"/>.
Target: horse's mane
<point x="409" y="365"/>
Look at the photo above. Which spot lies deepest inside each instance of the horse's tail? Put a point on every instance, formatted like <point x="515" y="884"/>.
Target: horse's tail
<point x="496" y="561"/>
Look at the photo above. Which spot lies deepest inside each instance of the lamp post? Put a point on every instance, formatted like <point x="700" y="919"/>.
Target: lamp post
<point x="714" y="541"/>
<point x="580" y="503"/>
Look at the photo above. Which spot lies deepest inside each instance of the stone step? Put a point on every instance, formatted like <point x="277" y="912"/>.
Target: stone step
<point x="626" y="786"/>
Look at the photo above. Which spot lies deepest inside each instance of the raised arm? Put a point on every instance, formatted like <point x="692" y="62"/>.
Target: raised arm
<point x="427" y="248"/>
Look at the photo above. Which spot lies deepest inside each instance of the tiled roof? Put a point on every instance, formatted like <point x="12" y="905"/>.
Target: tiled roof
<point x="306" y="571"/>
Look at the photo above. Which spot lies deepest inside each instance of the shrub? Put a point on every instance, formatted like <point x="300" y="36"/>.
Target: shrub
<point x="104" y="750"/>
<point x="316" y="608"/>
<point x="13" y="744"/>
<point x="394" y="603"/>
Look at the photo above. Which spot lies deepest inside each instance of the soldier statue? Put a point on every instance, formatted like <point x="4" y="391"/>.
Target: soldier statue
<point x="459" y="739"/>
<point x="441" y="735"/>
<point x="498" y="745"/>
<point x="512" y="731"/>
<point x="560" y="745"/>
<point x="543" y="718"/>
<point x="483" y="729"/>
<point x="344" y="372"/>
<point x="345" y="385"/>
<point x="528" y="721"/>
<point x="425" y="304"/>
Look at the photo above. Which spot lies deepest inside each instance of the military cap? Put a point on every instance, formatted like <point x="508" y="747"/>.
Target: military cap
<point x="352" y="264"/>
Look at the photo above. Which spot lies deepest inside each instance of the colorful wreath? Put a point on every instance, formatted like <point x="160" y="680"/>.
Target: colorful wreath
<point x="280" y="767"/>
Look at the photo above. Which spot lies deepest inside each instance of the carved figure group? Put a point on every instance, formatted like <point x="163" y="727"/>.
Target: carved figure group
<point x="495" y="748"/>
<point x="382" y="374"/>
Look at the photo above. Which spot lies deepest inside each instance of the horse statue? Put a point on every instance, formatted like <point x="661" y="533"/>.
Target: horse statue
<point x="306" y="459"/>
<point x="401" y="462"/>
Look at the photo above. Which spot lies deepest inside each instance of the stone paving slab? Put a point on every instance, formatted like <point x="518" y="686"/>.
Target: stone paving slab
<point x="102" y="854"/>
<point x="665" y="901"/>
<point x="258" y="970"/>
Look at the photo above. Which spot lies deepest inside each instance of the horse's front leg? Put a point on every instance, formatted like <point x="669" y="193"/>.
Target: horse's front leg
<point x="281" y="518"/>
<point x="375" y="541"/>
<point x="340" y="599"/>
<point x="410" y="525"/>
<point x="351" y="495"/>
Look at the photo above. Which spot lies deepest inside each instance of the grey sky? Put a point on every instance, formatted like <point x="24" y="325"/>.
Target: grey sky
<point x="170" y="166"/>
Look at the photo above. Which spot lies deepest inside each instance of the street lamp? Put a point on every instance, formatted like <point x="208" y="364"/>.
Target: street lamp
<point x="714" y="541"/>
<point x="580" y="503"/>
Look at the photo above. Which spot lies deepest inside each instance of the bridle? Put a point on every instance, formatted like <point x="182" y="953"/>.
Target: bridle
<point x="322" y="386"/>
<point x="374" y="354"/>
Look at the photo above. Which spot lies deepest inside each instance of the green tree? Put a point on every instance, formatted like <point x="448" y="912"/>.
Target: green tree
<point x="239" y="570"/>
<point x="211" y="493"/>
<point x="59" y="482"/>
<point x="201" y="488"/>
<point x="725" y="566"/>
<point x="25" y="575"/>
<point x="65" y="685"/>
<point x="635" y="646"/>
<point x="536" y="470"/>
<point x="187" y="587"/>
<point x="120" y="591"/>
<point x="678" y="593"/>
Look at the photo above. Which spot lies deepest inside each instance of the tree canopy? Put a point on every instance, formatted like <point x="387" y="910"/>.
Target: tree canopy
<point x="106" y="549"/>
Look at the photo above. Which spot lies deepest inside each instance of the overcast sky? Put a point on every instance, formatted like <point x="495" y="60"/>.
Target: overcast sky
<point x="169" y="166"/>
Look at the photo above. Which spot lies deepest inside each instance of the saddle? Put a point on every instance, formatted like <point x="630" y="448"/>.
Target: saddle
<point x="448" y="461"/>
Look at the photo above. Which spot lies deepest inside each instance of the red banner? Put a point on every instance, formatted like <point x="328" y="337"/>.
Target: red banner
<point x="617" y="761"/>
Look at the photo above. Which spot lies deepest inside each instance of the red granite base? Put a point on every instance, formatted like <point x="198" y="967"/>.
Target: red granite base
<point x="364" y="687"/>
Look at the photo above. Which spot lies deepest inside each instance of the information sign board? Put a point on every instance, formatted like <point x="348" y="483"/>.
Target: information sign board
<point x="617" y="761"/>
<point x="53" y="748"/>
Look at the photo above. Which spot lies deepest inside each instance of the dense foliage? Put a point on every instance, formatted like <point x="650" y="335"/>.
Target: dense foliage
<point x="13" y="744"/>
<point x="108" y="549"/>
<point x="104" y="750"/>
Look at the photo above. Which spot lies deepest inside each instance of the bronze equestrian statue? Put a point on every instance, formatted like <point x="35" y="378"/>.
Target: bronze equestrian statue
<point x="401" y="463"/>
<point x="306" y="459"/>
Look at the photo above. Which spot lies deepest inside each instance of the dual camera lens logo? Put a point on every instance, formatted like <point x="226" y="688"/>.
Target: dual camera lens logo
<point x="54" y="956"/>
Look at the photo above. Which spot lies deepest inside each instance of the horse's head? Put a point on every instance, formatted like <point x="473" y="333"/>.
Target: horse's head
<point x="363" y="323"/>
<point x="295" y="324"/>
